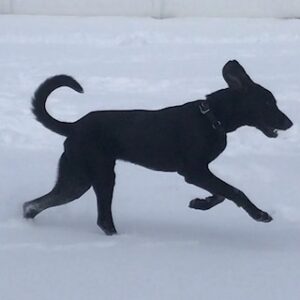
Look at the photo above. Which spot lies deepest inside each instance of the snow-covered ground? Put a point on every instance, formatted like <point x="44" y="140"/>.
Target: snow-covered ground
<point x="164" y="250"/>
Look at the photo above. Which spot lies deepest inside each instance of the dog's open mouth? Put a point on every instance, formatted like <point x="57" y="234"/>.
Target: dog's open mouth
<point x="270" y="131"/>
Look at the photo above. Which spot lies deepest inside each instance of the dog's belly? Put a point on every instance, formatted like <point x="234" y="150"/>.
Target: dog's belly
<point x="154" y="164"/>
<point x="169" y="152"/>
<point x="158" y="159"/>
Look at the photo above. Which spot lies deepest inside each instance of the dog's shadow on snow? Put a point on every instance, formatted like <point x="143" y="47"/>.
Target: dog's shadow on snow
<point x="240" y="234"/>
<point x="245" y="236"/>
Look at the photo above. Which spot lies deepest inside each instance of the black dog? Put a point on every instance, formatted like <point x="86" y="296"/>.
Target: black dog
<point x="182" y="139"/>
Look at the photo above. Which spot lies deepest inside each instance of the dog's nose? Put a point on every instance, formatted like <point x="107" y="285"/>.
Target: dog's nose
<point x="287" y="123"/>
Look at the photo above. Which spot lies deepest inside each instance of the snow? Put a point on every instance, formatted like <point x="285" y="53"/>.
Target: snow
<point x="164" y="250"/>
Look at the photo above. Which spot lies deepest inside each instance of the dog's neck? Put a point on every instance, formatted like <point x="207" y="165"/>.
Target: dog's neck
<point x="225" y="105"/>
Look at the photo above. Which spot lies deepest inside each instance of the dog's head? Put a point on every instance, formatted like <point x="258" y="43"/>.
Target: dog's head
<point x="257" y="104"/>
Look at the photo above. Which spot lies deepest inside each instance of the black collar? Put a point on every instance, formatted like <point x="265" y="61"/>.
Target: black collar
<point x="206" y="111"/>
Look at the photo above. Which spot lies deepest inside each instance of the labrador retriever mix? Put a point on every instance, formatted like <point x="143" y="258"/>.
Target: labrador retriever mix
<point x="182" y="139"/>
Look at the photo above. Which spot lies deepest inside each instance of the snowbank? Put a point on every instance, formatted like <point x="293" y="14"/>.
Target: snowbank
<point x="156" y="8"/>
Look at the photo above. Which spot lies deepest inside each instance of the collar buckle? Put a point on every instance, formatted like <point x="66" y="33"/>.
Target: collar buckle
<point x="204" y="107"/>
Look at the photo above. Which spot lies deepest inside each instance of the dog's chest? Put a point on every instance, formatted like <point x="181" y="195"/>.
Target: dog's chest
<point x="217" y="145"/>
<point x="208" y="144"/>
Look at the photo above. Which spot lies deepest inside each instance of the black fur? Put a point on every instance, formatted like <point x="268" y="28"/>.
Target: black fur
<point x="175" y="139"/>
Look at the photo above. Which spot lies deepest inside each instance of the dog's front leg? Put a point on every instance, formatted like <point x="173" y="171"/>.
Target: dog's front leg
<point x="208" y="181"/>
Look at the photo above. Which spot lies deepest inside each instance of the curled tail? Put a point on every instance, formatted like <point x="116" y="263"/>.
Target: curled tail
<point x="39" y="102"/>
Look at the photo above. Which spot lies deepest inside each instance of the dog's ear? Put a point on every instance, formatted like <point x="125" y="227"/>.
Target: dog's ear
<point x="235" y="75"/>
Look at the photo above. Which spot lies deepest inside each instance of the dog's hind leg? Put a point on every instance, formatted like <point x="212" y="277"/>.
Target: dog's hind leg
<point x="103" y="181"/>
<point x="206" y="203"/>
<point x="72" y="182"/>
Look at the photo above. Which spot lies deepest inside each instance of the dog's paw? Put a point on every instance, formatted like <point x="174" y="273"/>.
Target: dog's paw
<point x="263" y="217"/>
<point x="202" y="204"/>
<point x="107" y="228"/>
<point x="29" y="210"/>
<point x="109" y="231"/>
